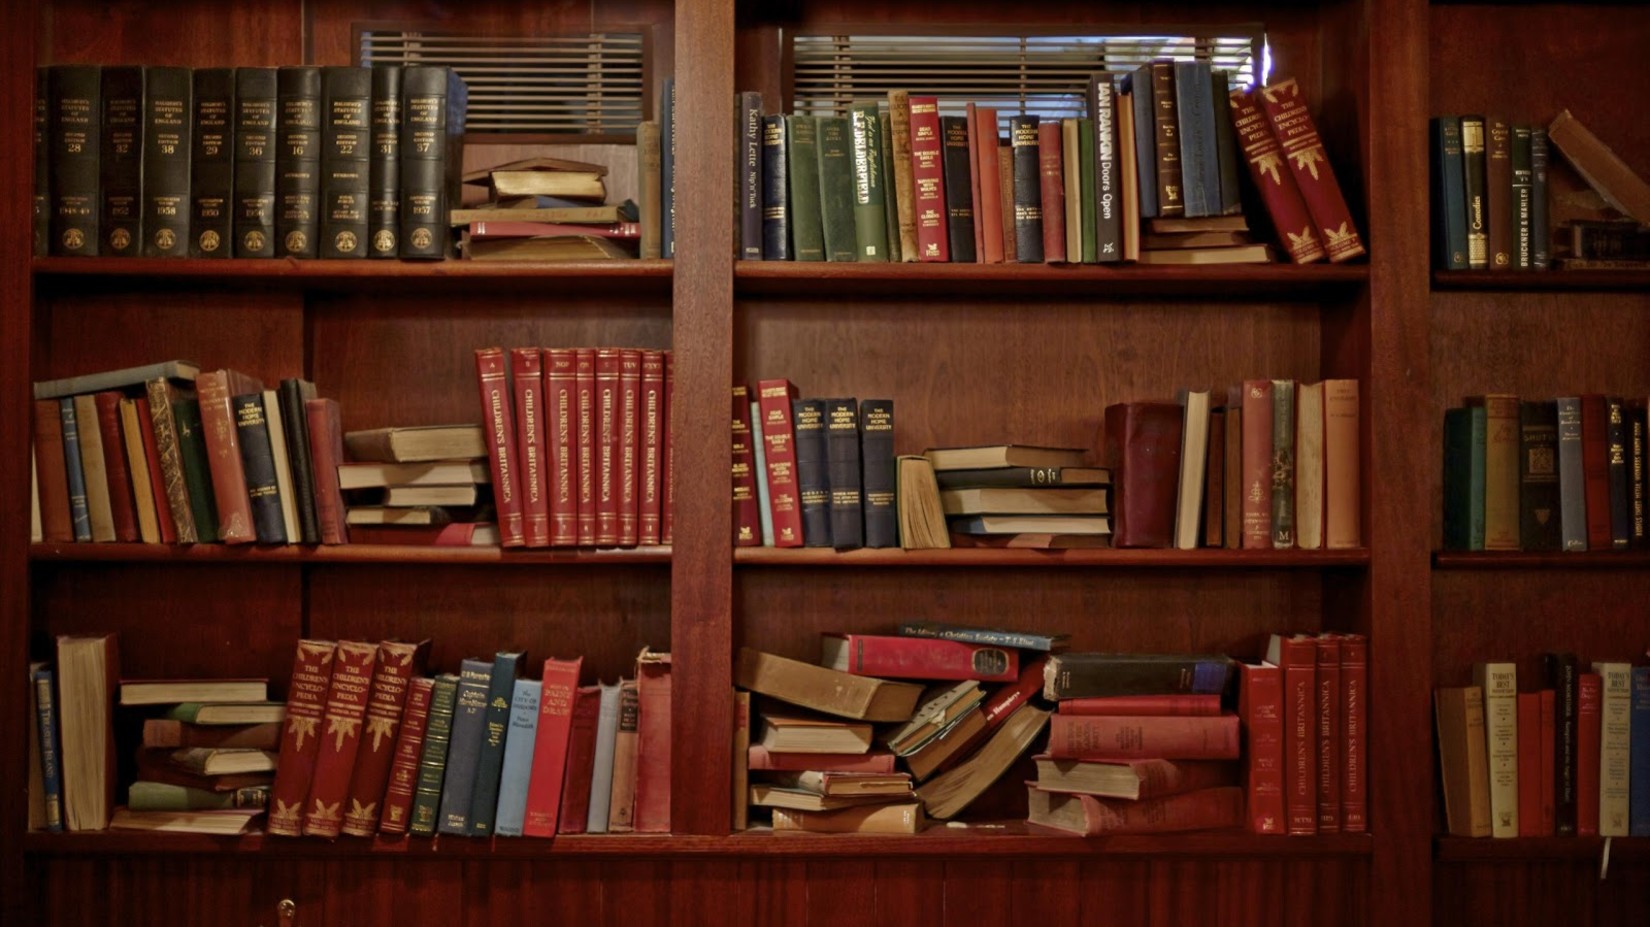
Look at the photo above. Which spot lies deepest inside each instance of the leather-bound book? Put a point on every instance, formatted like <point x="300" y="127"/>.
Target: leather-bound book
<point x="1303" y="149"/>
<point x="1589" y="718"/>
<point x="346" y="709"/>
<point x="397" y="663"/>
<point x="73" y="129"/>
<point x="1142" y="450"/>
<point x="1257" y="404"/>
<point x="229" y="487"/>
<point x="802" y="174"/>
<point x="92" y="464"/>
<point x="550" y="746"/>
<point x="988" y="198"/>
<point x="1562" y="676"/>
<point x="927" y="215"/>
<point x="1621" y="500"/>
<point x="1171" y="190"/>
<point x="326" y="447"/>
<point x="961" y="231"/>
<point x="1276" y="182"/>
<point x="1329" y="735"/>
<point x="346" y="140"/>
<point x="749" y="110"/>
<point x="1539" y="521"/>
<point x="1006" y="209"/>
<point x="42" y="166"/>
<point x="842" y="455"/>
<point x="120" y="162"/>
<point x="1498" y="192"/>
<point x="1283" y="463"/>
<point x="297" y="161"/>
<point x="652" y="815"/>
<point x="774" y="398"/>
<point x="561" y="437"/>
<point x="464" y="749"/>
<point x="628" y="465"/>
<point x="1540" y="233"/>
<point x="1051" y="176"/>
<point x="776" y="227"/>
<point x="402" y="782"/>
<point x="650" y="470"/>
<point x="162" y="398"/>
<point x="607" y="426"/>
<point x="890" y="202"/>
<point x="836" y="179"/>
<point x="258" y="463"/>
<point x="293" y="393"/>
<point x="877" y="472"/>
<point x="499" y="426"/>
<point x="501" y="686"/>
<point x="433" y="100"/>
<point x="584" y="374"/>
<point x="1449" y="199"/>
<point x="121" y="504"/>
<point x="870" y="186"/>
<point x="528" y="389"/>
<point x="901" y="168"/>
<point x="253" y="208"/>
<point x="1522" y="190"/>
<point x="301" y="733"/>
<point x="79" y="512"/>
<point x="1472" y="182"/>
<point x="212" y="164"/>
<point x="52" y="471"/>
<point x="157" y="478"/>
<point x="812" y="474"/>
<point x="581" y="756"/>
<point x="1260" y="713"/>
<point x="1024" y="141"/>
<point x="133" y="412"/>
<point x="667" y="501"/>
<point x="1595" y="468"/>
<point x="384" y="163"/>
<point x="432" y="761"/>
<point x="747" y="531"/>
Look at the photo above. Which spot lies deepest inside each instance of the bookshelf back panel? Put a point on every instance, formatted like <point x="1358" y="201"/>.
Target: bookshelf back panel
<point x="411" y="361"/>
<point x="1033" y="373"/>
<point x="1564" y="891"/>
<point x="606" y="615"/>
<point x="196" y="33"/>
<point x="785" y="611"/>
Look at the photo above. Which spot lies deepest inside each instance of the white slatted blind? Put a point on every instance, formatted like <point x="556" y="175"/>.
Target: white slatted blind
<point x="1042" y="74"/>
<point x="564" y="85"/>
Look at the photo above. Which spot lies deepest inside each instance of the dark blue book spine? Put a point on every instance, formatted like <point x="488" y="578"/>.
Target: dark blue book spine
<point x="490" y="759"/>
<point x="842" y="471"/>
<point x="1199" y="152"/>
<point x="812" y="474"/>
<point x="776" y="228"/>
<point x="667" y="169"/>
<point x="51" y="753"/>
<point x="212" y="164"/>
<point x="464" y="749"/>
<point x="1449" y="199"/>
<point x="258" y="458"/>
<point x="1638" y="802"/>
<point x="297" y="161"/>
<point x="1572" y="485"/>
<point x="752" y="191"/>
<point x="168" y="121"/>
<point x="987" y="636"/>
<point x="77" y="474"/>
<point x="876" y="449"/>
<point x="1139" y="86"/>
<point x="120" y="162"/>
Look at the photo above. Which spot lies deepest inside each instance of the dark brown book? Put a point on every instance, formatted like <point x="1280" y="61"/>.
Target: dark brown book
<point x="326" y="448"/>
<point x="1214" y="482"/>
<point x="1171" y="200"/>
<point x="52" y="472"/>
<point x="1052" y="183"/>
<point x="1257" y="463"/>
<point x="1142" y="450"/>
<point x="1595" y="469"/>
<point x="121" y="503"/>
<point x="229" y="489"/>
<point x="1498" y="201"/>
<point x="170" y="734"/>
<point x="409" y="748"/>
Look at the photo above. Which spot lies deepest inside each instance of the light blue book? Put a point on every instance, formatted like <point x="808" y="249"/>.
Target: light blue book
<point x="761" y="475"/>
<point x="518" y="758"/>
<point x="78" y="510"/>
<point x="601" y="770"/>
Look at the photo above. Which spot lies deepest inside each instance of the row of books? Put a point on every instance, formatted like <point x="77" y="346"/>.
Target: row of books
<point x="1275" y="464"/>
<point x="169" y="453"/>
<point x="336" y="162"/>
<point x="1569" y="759"/>
<point x="1164" y="142"/>
<point x="1557" y="474"/>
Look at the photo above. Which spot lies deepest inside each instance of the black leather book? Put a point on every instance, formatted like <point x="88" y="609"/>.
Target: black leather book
<point x="1539" y="521"/>
<point x="1108" y="170"/>
<point x="776" y="229"/>
<point x="384" y="168"/>
<point x="1561" y="678"/>
<point x="297" y="161"/>
<point x="252" y="431"/>
<point x="1540" y="242"/>
<point x="42" y="174"/>
<point x="812" y="474"/>
<point x="293" y="393"/>
<point x="1171" y="193"/>
<point x="877" y="474"/>
<point x="254" y="206"/>
<point x="1621" y="490"/>
<point x="751" y="167"/>
<point x="842" y="470"/>
<point x="120" y="163"/>
<point x="432" y="123"/>
<point x="1635" y="468"/>
<point x="1028" y="190"/>
<point x="168" y="121"/>
<point x="212" y="164"/>
<point x="197" y="470"/>
<point x="490" y="758"/>
<point x="346" y="126"/>
<point x="959" y="192"/>
<point x="469" y="723"/>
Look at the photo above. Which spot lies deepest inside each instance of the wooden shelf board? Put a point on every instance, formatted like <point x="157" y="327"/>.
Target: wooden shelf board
<point x="635" y="275"/>
<point x="1539" y="849"/>
<point x="1542" y="280"/>
<point x="1529" y="559"/>
<point x="343" y="553"/>
<point x="791" y="278"/>
<point x="1021" y="557"/>
<point x="1010" y="838"/>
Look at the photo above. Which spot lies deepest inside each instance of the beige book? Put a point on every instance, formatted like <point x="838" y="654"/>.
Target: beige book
<point x="1342" y="463"/>
<point x="904" y="188"/>
<point x="782" y="732"/>
<point x="1127" y="169"/>
<point x="1183" y="226"/>
<point x="1499" y="681"/>
<point x="1501" y="433"/>
<point x="897" y="818"/>
<point x="741" y="759"/>
<point x="1016" y="500"/>
<point x="87" y="668"/>
<point x="1602" y="168"/>
<point x="947" y="794"/>
<point x="921" y="515"/>
<point x="143" y="494"/>
<point x="844" y="784"/>
<point x="1462" y="761"/>
<point x="938" y="751"/>
<point x="1241" y="254"/>
<point x="1071" y="157"/>
<point x="1615" y="746"/>
<point x="37" y="532"/>
<point x="1194" y="457"/>
<point x="621" y="806"/>
<point x="219" y="761"/>
<point x="430" y="495"/>
<point x="860" y="697"/>
<point x="1309" y="466"/>
<point x="370" y="475"/>
<point x="769" y="795"/>
<point x="92" y="463"/>
<point x="648" y="152"/>
<point x="417" y="444"/>
<point x="225" y="822"/>
<point x="283" y="466"/>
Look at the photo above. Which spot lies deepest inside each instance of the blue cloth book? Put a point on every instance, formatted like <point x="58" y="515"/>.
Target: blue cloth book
<point x="51" y="751"/>
<point x="1638" y="799"/>
<point x="78" y="511"/>
<point x="496" y="727"/>
<point x="469" y="723"/>
<point x="1199" y="151"/>
<point x="518" y="758"/>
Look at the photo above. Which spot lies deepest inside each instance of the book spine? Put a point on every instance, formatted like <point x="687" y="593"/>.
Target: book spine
<point x="869" y="184"/>
<point x="1327" y="724"/>
<point x="1595" y="469"/>
<point x="988" y="636"/>
<point x="561" y="431"/>
<point x="1258" y="433"/>
<point x="621" y="804"/>
<point x="1449" y="204"/>
<point x="1621" y="501"/>
<point x="1342" y="465"/>
<point x="52" y="471"/>
<point x="1099" y="737"/>
<point x="1498" y="186"/>
<point x="498" y="421"/>
<point x="283" y="465"/>
<point x="836" y="182"/>
<point x="1077" y="138"/>
<point x="628" y="470"/>
<point x="1199" y="158"/>
<point x="1226" y="149"/>
<point x="1006" y="203"/>
<point x="776" y="228"/>
<point x="1283" y="463"/>
<point x="890" y="201"/>
<point x="501" y="686"/>
<point x="650" y="474"/>
<point x="42" y="166"/>
<point x="212" y="164"/>
<point x="1106" y="191"/>
<point x="842" y="455"/>
<point x="802" y="172"/>
<point x="167" y="122"/>
<point x="653" y="748"/>
<point x="117" y="473"/>
<point x="79" y="510"/>
<point x="432" y="119"/>
<point x="752" y="192"/>
<point x="1538" y="490"/>
<point x="926" y="658"/>
<point x="326" y="447"/>
<point x="959" y="193"/>
<point x="528" y="383"/>
<point x="607" y="446"/>
<point x="511" y="813"/>
<point x="1561" y="677"/>
<point x="120" y="162"/>
<point x="1051" y="180"/>
<point x="229" y="485"/>
<point x="74" y="114"/>
<point x="1142" y="446"/>
<point x="584" y="381"/>
<point x="1298" y="136"/>
<point x="988" y="201"/>
<point x="1540" y="231"/>
<point x="1522" y="206"/>
<point x="926" y="221"/>
<point x="1354" y="731"/>
<point x="1300" y="756"/>
<point x="1027" y="189"/>
<point x="1472" y="177"/>
<point x="878" y="474"/>
<point x="1500" y="684"/>
<point x="747" y="530"/>
<point x="1138" y="87"/>
<point x="402" y="781"/>
<point x="300" y="458"/>
<point x="667" y="500"/>
<point x="550" y="746"/>
<point x="397" y="662"/>
<point x="647" y="170"/>
<point x="1587" y="765"/>
<point x="432" y="760"/>
<point x="1549" y="753"/>
<point x="157" y="479"/>
<point x="1143" y="705"/>
<point x="1528" y="709"/>
<point x="1278" y="189"/>
<point x="774" y="398"/>
<point x="345" y="172"/>
<point x="1571" y="475"/>
<point x="1638" y="753"/>
<point x="297" y="161"/>
<point x="764" y="498"/>
<point x="346" y="708"/>
<point x="1615" y="747"/>
<point x="1165" y="122"/>
<point x="171" y="460"/>
<point x="384" y="162"/>
<point x="1260" y="714"/>
<point x="1087" y="675"/>
<point x="601" y="766"/>
<point x="258" y="462"/>
<point x="744" y="760"/>
<point x="51" y="745"/>
<point x="306" y="704"/>
<point x="253" y="207"/>
<point x="1501" y="438"/>
<point x="132" y="431"/>
<point x="667" y="170"/>
<point x="574" y="811"/>
<point x="901" y="143"/>
<point x="812" y="471"/>
<point x="469" y="725"/>
<point x="1231" y="528"/>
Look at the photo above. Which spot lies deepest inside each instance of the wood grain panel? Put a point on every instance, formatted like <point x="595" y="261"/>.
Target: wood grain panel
<point x="837" y="893"/>
<point x="411" y="360"/>
<point x="635" y="892"/>
<point x="196" y="33"/>
<point x="58" y="894"/>
<point x="390" y="891"/>
<point x="1114" y="893"/>
<point x="606" y="615"/>
<point x="1039" y="893"/>
<point x="563" y="892"/>
<point x="908" y="894"/>
<point x="1482" y="895"/>
<point x="778" y="891"/>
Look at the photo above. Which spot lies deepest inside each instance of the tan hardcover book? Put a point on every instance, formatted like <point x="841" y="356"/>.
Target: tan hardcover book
<point x="369" y="475"/>
<point x="1462" y="760"/>
<point x="1342" y="464"/>
<point x="1603" y="170"/>
<point x="904" y="189"/>
<point x="1501" y="436"/>
<point x="219" y="761"/>
<point x="1132" y="779"/>
<point x="417" y="444"/>
<point x="91" y="461"/>
<point x="1071" y="156"/>
<point x="946" y="795"/>
<point x="138" y="464"/>
<point x="165" y="733"/>
<point x="1241" y="254"/>
<point x="1042" y="500"/>
<point x="162" y="393"/>
<point x="1005" y="196"/>
<point x="921" y="515"/>
<point x="226" y="822"/>
<point x="942" y="705"/>
<point x="430" y="495"/>
<point x="87" y="668"/>
<point x="937" y="752"/>
<point x="833" y="784"/>
<point x="1615" y="747"/>
<point x="1232" y="530"/>
<point x="859" y="697"/>
<point x="1003" y="455"/>
<point x="283" y="466"/>
<point x="174" y="691"/>
<point x="621" y="806"/>
<point x="648" y="152"/>
<point x="527" y="212"/>
<point x="1157" y="241"/>
<point x="1194" y="456"/>
<point x="770" y="795"/>
<point x="1499" y="683"/>
<point x="741" y="759"/>
<point x="784" y="732"/>
<point x="1309" y="466"/>
<point x="569" y="184"/>
<point x="897" y="818"/>
<point x="1127" y="170"/>
<point x="37" y="532"/>
<point x="1202" y="224"/>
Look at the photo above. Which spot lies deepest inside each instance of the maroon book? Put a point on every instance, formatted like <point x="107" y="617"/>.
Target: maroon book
<point x="1052" y="177"/>
<point x="409" y="747"/>
<point x="584" y="381"/>
<point x="550" y="746"/>
<point x="157" y="478"/>
<point x="1142" y="705"/>
<point x="607" y="446"/>
<point x="1354" y="733"/>
<point x="397" y="663"/>
<point x="561" y="433"/>
<point x="1260" y="713"/>
<point x="1529" y="764"/>
<point x="653" y="743"/>
<point x="1589" y="733"/>
<point x="1256" y="468"/>
<point x="340" y="738"/>
<point x="326" y="449"/>
<point x="650" y="478"/>
<point x="667" y="506"/>
<point x="1328" y="728"/>
<point x="918" y="658"/>
<point x="1142" y="449"/>
<point x="747" y="525"/>
<point x="778" y="438"/>
<point x="581" y="757"/>
<point x="627" y="470"/>
<point x="1595" y="470"/>
<point x="1275" y="181"/>
<point x="498" y="426"/>
<point x="52" y="472"/>
<point x="1113" y="737"/>
<point x="531" y="461"/>
<point x="306" y="702"/>
<point x="1297" y="656"/>
<point x="928" y="181"/>
<point x="1303" y="149"/>
<point x="223" y="450"/>
<point x="121" y="503"/>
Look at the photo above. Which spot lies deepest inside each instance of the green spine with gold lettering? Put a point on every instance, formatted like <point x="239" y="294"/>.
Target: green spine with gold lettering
<point x="870" y="208"/>
<point x="807" y="234"/>
<point x="432" y="762"/>
<point x="836" y="189"/>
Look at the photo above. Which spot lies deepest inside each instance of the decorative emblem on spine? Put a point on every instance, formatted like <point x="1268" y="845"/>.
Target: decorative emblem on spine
<point x="343" y="727"/>
<point x="120" y="239"/>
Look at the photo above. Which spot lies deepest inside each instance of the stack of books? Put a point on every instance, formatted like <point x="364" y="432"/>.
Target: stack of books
<point x="420" y="485"/>
<point x="1211" y="240"/>
<point x="1022" y="496"/>
<point x="546" y="209"/>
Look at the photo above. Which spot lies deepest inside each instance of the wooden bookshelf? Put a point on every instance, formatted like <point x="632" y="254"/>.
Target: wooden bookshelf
<point x="1542" y="281"/>
<point x="1097" y="558"/>
<point x="1540" y="560"/>
<point x="789" y="278"/>
<point x="343" y="553"/>
<point x="630" y="277"/>
<point x="1629" y="850"/>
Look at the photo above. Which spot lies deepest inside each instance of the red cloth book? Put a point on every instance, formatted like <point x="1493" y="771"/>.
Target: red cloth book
<point x="409" y="746"/>
<point x="1549" y="756"/>
<point x="498" y="424"/>
<point x="1256" y="469"/>
<point x="918" y="658"/>
<point x="1328" y="727"/>
<point x="1529" y="764"/>
<point x="215" y="389"/>
<point x="50" y="468"/>
<point x="326" y="448"/>
<point x="532" y="463"/>
<point x="928" y="181"/>
<point x="1103" y="737"/>
<point x="973" y="120"/>
<point x="340" y="737"/>
<point x="1142" y="449"/>
<point x="761" y="759"/>
<point x="581" y="757"/>
<point x="121" y="505"/>
<point x="157" y="477"/>
<point x="1052" y="177"/>
<point x="628" y="464"/>
<point x="1205" y="809"/>
<point x="584" y="380"/>
<point x="550" y="746"/>
<point x="653" y="743"/>
<point x="1142" y="705"/>
<point x="607" y="446"/>
<point x="397" y="663"/>
<point x="747" y="523"/>
<point x="988" y="205"/>
<point x="562" y="437"/>
<point x="1274" y="180"/>
<point x="650" y="478"/>
<point x="306" y="702"/>
<point x="1297" y="656"/>
<point x="1298" y="137"/>
<point x="1354" y="705"/>
<point x="773" y="398"/>
<point x="667" y="506"/>
<point x="1260" y="715"/>
<point x="1589" y="720"/>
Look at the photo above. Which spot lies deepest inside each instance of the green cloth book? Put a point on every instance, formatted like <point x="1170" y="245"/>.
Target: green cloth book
<point x="197" y="472"/>
<point x="432" y="762"/>
<point x="869" y="186"/>
<point x="807" y="232"/>
<point x="163" y="796"/>
<point x="836" y="188"/>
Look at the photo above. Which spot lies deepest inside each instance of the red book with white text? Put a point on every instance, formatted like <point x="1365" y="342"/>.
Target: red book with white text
<point x="1354" y="705"/>
<point x="498" y="430"/>
<point x="928" y="181"/>
<point x="398" y="662"/>
<point x="667" y="505"/>
<point x="653" y="743"/>
<point x="1102" y="737"/>
<point x="1529" y="764"/>
<point x="581" y="756"/>
<point x="1274" y="179"/>
<point x="747" y="524"/>
<point x="918" y="658"/>
<point x="627" y="467"/>
<point x="1142" y="705"/>
<point x="1052" y="184"/>
<point x="326" y="448"/>
<point x="1589" y="721"/>
<point x="531" y="460"/>
<point x="650" y="475"/>
<point x="1302" y="149"/>
<point x="1297" y="656"/>
<point x="1328" y="728"/>
<point x="561" y="431"/>
<point x="550" y="746"/>
<point x="122" y="507"/>
<point x="778" y="436"/>
<point x="607" y="446"/>
<point x="409" y="747"/>
<point x="346" y="710"/>
<point x="306" y="702"/>
<point x="584" y="379"/>
<point x="1260" y="715"/>
<point x="761" y="759"/>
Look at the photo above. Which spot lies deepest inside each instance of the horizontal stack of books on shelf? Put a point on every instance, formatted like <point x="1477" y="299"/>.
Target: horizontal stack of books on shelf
<point x="1163" y="145"/>
<point x="555" y="209"/>
<point x="1493" y="209"/>
<point x="1012" y="496"/>
<point x="1570" y="759"/>
<point x="365" y="745"/>
<point x="1543" y="475"/>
